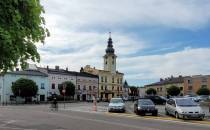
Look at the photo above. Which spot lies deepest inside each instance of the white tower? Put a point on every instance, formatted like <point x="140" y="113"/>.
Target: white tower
<point x="110" y="57"/>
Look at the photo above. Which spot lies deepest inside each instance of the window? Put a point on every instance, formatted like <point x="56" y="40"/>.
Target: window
<point x="118" y="80"/>
<point x="120" y="88"/>
<point x="181" y="88"/>
<point x="90" y="88"/>
<point x="102" y="88"/>
<point x="102" y="79"/>
<point x="157" y="89"/>
<point x="105" y="87"/>
<point x="106" y="62"/>
<point x="113" y="62"/>
<point x="84" y="87"/>
<point x="94" y="87"/>
<point x="160" y="89"/>
<point x="113" y="79"/>
<point x="189" y="81"/>
<point x="42" y="86"/>
<point x="78" y="87"/>
<point x="112" y="87"/>
<point x="105" y="79"/>
<point x="53" y="86"/>
<point x="190" y="87"/>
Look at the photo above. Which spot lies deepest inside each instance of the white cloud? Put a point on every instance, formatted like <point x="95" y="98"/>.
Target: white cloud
<point x="186" y="62"/>
<point x="76" y="14"/>
<point x="77" y="35"/>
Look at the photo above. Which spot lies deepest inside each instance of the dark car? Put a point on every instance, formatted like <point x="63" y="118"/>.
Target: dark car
<point x="143" y="106"/>
<point x="157" y="99"/>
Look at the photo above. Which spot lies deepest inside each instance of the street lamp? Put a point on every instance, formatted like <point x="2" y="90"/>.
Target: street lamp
<point x="64" y="91"/>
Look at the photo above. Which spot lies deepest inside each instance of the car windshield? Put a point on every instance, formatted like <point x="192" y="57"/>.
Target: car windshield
<point x="116" y="101"/>
<point x="146" y="102"/>
<point x="185" y="102"/>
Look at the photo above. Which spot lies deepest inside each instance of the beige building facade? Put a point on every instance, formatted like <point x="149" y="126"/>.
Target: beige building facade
<point x="162" y="86"/>
<point x="110" y="80"/>
<point x="193" y="83"/>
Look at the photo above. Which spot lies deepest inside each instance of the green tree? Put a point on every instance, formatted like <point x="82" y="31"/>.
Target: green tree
<point x="21" y="25"/>
<point x="173" y="90"/>
<point x="69" y="88"/>
<point x="151" y="91"/>
<point x="134" y="91"/>
<point x="203" y="91"/>
<point x="24" y="88"/>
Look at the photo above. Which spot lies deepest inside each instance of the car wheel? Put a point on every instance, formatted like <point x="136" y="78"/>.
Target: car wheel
<point x="177" y="115"/>
<point x="154" y="114"/>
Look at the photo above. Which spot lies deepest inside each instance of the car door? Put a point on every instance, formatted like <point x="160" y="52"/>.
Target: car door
<point x="169" y="106"/>
<point x="173" y="107"/>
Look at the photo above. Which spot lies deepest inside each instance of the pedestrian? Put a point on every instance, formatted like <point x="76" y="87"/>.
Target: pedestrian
<point x="54" y="103"/>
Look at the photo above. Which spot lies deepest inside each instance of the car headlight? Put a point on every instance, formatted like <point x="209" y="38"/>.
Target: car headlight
<point x="139" y="108"/>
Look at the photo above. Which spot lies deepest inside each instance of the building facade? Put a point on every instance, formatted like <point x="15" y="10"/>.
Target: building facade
<point x="110" y="80"/>
<point x="162" y="86"/>
<point x="193" y="83"/>
<point x="6" y="81"/>
<point x="86" y="85"/>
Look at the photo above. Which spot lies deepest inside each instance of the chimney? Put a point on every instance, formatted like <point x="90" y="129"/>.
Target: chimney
<point x="47" y="67"/>
<point x="17" y="69"/>
<point x="57" y="67"/>
<point x="67" y="69"/>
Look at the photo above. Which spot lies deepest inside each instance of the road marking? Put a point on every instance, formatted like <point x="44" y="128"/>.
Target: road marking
<point x="158" y="118"/>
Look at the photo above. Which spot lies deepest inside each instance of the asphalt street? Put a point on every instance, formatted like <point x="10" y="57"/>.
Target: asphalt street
<point x="41" y="117"/>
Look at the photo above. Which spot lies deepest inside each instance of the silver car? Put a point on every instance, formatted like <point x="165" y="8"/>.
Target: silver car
<point x="116" y="105"/>
<point x="184" y="108"/>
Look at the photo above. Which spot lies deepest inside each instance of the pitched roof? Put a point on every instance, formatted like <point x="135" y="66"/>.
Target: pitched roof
<point x="87" y="75"/>
<point x="28" y="72"/>
<point x="66" y="72"/>
<point x="171" y="80"/>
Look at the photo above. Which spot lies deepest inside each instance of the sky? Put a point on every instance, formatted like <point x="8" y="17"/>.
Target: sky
<point x="153" y="39"/>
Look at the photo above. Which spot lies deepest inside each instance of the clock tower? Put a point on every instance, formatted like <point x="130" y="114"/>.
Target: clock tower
<point x="110" y="57"/>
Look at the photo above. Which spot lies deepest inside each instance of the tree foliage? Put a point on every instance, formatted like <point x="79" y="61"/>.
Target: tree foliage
<point x="151" y="91"/>
<point x="21" y="25"/>
<point x="134" y="91"/>
<point x="24" y="88"/>
<point x="69" y="88"/>
<point x="203" y="91"/>
<point x="173" y="90"/>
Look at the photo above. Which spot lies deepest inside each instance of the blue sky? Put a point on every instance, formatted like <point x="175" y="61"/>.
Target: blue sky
<point x="153" y="38"/>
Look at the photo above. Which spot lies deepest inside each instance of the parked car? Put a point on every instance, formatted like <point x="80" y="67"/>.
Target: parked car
<point x="116" y="105"/>
<point x="184" y="108"/>
<point x="157" y="99"/>
<point x="143" y="106"/>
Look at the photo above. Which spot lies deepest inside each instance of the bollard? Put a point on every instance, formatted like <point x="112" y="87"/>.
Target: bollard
<point x="209" y="107"/>
<point x="94" y="104"/>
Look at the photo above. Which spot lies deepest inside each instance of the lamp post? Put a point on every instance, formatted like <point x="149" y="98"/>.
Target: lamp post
<point x="64" y="91"/>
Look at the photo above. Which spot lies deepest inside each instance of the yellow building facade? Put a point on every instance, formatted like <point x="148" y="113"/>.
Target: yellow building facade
<point x="110" y="80"/>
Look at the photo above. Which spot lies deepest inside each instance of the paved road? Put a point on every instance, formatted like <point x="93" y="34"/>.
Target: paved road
<point x="40" y="117"/>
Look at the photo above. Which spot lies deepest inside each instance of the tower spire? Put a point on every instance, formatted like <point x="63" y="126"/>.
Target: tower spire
<point x="110" y="48"/>
<point x="110" y="34"/>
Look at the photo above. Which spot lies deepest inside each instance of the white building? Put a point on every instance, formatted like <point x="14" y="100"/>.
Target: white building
<point x="6" y="81"/>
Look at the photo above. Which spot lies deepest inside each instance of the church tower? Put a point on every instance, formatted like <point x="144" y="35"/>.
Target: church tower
<point x="110" y="57"/>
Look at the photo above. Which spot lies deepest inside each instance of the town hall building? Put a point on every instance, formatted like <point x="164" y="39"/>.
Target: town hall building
<point x="110" y="80"/>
